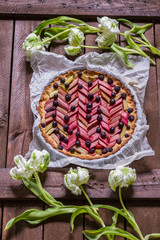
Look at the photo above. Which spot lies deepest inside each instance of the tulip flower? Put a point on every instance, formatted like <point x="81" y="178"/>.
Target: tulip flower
<point x="121" y="177"/>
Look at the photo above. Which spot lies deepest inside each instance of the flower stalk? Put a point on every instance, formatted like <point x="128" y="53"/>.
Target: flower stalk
<point x="129" y="215"/>
<point x="42" y="190"/>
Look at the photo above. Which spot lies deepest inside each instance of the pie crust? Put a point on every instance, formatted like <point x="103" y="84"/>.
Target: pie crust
<point x="116" y="115"/>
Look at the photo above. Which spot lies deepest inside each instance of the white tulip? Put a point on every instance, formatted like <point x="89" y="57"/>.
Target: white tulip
<point x="75" y="178"/>
<point x="106" y="39"/>
<point x="32" y="42"/>
<point x="71" y="50"/>
<point x="108" y="25"/>
<point x="39" y="160"/>
<point x="25" y="169"/>
<point x="22" y="170"/>
<point x="75" y="37"/>
<point x="121" y="177"/>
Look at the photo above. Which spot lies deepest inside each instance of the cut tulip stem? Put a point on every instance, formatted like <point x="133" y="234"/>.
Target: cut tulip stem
<point x="129" y="215"/>
<point x="42" y="190"/>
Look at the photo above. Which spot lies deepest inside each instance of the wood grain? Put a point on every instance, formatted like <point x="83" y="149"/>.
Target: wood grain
<point x="146" y="186"/>
<point x="20" y="230"/>
<point x="134" y="8"/>
<point x="147" y="215"/>
<point x="5" y="66"/>
<point x="21" y="117"/>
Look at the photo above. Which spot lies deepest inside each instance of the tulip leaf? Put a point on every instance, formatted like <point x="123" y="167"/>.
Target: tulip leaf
<point x="126" y="21"/>
<point x="140" y="29"/>
<point x="35" y="216"/>
<point x="32" y="186"/>
<point x="135" y="46"/>
<point x="50" y="32"/>
<point x="96" y="234"/>
<point x="61" y="21"/>
<point x="154" y="50"/>
<point x="151" y="235"/>
<point x="75" y="214"/>
<point x="120" y="51"/>
<point x="117" y="210"/>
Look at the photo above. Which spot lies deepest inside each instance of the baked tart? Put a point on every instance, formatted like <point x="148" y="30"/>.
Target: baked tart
<point x="87" y="114"/>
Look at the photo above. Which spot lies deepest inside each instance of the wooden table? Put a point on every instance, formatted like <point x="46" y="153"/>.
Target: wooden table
<point x="17" y="20"/>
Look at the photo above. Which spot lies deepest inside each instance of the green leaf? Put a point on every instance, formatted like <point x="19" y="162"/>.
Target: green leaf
<point x="96" y="234"/>
<point x="137" y="29"/>
<point x="116" y="48"/>
<point x="117" y="210"/>
<point x="32" y="186"/>
<point x="135" y="46"/>
<point x="57" y="21"/>
<point x="126" y="21"/>
<point x="75" y="214"/>
<point x="50" y="32"/>
<point x="114" y="223"/>
<point x="88" y="29"/>
<point x="152" y="235"/>
<point x="35" y="216"/>
<point x="154" y="50"/>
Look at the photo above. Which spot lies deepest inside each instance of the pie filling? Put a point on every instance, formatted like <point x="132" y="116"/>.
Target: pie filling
<point x="87" y="114"/>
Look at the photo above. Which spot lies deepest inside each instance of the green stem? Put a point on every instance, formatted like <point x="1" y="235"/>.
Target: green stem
<point x="84" y="46"/>
<point x="85" y="194"/>
<point x="137" y="39"/>
<point x="55" y="36"/>
<point x="42" y="191"/>
<point x="91" y="204"/>
<point x="129" y="215"/>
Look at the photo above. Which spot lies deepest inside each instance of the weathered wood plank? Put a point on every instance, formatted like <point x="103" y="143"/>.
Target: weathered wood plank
<point x="5" y="66"/>
<point x="147" y="215"/>
<point x="21" y="118"/>
<point x="146" y="186"/>
<point x="20" y="230"/>
<point x="76" y="8"/>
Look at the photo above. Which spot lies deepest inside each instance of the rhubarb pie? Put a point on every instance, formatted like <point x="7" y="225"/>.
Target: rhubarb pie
<point x="87" y="114"/>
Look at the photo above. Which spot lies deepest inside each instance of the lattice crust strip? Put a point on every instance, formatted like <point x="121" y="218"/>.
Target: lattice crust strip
<point x="87" y="114"/>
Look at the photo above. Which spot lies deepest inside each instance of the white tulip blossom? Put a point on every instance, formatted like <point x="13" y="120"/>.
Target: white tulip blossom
<point x="71" y="50"/>
<point x="106" y="39"/>
<point x="108" y="25"/>
<point x="109" y="28"/>
<point x="32" y="42"/>
<point x="75" y="178"/>
<point x="75" y="37"/>
<point x="22" y="170"/>
<point x="39" y="160"/>
<point x="25" y="169"/>
<point x="121" y="177"/>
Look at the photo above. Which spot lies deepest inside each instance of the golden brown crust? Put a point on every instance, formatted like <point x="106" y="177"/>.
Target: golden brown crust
<point x="130" y="103"/>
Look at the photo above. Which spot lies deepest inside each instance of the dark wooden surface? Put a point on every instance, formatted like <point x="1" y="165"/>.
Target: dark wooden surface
<point x="18" y="19"/>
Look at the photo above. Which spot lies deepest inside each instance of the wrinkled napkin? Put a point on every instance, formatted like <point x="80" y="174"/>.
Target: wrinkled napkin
<point x="47" y="66"/>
